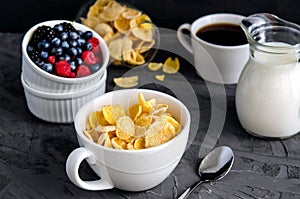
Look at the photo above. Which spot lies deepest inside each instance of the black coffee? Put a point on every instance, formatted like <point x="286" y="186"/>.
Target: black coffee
<point x="224" y="34"/>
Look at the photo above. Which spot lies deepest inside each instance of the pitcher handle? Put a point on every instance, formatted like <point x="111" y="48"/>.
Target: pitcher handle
<point x="72" y="167"/>
<point x="183" y="39"/>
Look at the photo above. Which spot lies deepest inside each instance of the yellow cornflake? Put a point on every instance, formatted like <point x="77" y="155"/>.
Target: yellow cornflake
<point x="160" y="77"/>
<point x="171" y="66"/>
<point x="146" y="106"/>
<point x="126" y="82"/>
<point x="112" y="113"/>
<point x="154" y="66"/>
<point x="100" y="118"/>
<point x="135" y="111"/>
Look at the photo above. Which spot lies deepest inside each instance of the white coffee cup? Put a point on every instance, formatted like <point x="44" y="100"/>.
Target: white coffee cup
<point x="215" y="63"/>
<point x="131" y="170"/>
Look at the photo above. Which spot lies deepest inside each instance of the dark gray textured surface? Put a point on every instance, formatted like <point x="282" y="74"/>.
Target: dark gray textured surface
<point x="33" y="152"/>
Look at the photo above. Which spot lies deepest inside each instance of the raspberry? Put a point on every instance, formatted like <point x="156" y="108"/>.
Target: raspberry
<point x="82" y="71"/>
<point x="63" y="68"/>
<point x="96" y="50"/>
<point x="72" y="75"/>
<point x="88" y="57"/>
<point x="94" y="41"/>
<point x="51" y="59"/>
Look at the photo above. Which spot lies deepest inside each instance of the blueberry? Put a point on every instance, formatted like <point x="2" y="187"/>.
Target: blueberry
<point x="57" y="51"/>
<point x="73" y="43"/>
<point x="94" y="67"/>
<point x="43" y="45"/>
<point x="55" y="41"/>
<point x="80" y="41"/>
<point x="87" y="46"/>
<point x="44" y="54"/>
<point x="87" y="35"/>
<point x="67" y="57"/>
<point x="39" y="63"/>
<point x="65" y="44"/>
<point x="73" y="35"/>
<point x="72" y="52"/>
<point x="47" y="67"/>
<point x="61" y="58"/>
<point x="59" y="27"/>
<point x="79" y="32"/>
<point x="64" y="36"/>
<point x="72" y="65"/>
<point x="29" y="48"/>
<point x="78" y="61"/>
<point x="79" y="50"/>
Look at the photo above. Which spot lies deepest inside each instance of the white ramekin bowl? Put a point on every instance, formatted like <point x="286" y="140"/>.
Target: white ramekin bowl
<point x="60" y="107"/>
<point x="131" y="170"/>
<point x="40" y="80"/>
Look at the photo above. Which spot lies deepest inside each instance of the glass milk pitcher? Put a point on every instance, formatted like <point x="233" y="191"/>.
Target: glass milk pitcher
<point x="268" y="91"/>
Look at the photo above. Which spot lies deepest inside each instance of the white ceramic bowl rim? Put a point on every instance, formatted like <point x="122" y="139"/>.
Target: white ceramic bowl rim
<point x="67" y="95"/>
<point x="103" y="46"/>
<point x="140" y="151"/>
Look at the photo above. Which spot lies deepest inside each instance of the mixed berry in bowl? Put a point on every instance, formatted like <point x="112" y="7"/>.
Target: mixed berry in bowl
<point x="65" y="51"/>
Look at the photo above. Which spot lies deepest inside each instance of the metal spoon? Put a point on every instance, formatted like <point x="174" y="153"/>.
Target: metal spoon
<point x="214" y="166"/>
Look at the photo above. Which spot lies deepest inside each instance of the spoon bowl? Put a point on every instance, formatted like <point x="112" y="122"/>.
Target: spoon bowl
<point x="214" y="166"/>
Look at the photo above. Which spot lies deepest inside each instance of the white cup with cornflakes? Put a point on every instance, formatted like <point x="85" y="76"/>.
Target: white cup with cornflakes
<point x="130" y="170"/>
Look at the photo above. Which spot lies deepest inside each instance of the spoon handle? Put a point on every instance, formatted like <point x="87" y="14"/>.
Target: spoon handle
<point x="190" y="190"/>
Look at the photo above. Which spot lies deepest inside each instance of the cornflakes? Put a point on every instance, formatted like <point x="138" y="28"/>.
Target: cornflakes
<point x="126" y="82"/>
<point x="147" y="124"/>
<point x="112" y="113"/>
<point x="160" y="77"/>
<point x="109" y="18"/>
<point x="171" y="66"/>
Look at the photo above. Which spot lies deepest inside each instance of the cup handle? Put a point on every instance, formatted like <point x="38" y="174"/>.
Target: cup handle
<point x="72" y="167"/>
<point x="182" y="38"/>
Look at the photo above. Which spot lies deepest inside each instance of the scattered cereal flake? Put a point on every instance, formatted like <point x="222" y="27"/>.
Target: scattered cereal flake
<point x="171" y="66"/>
<point x="127" y="82"/>
<point x="153" y="66"/>
<point x="160" y="77"/>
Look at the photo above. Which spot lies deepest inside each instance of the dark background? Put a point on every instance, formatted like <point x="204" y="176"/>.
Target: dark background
<point x="20" y="15"/>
